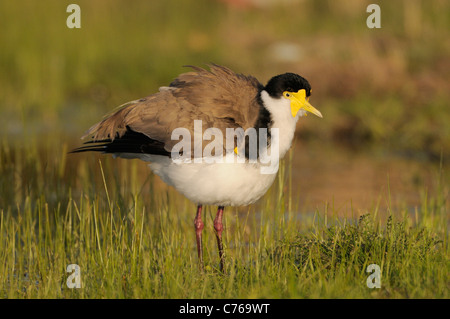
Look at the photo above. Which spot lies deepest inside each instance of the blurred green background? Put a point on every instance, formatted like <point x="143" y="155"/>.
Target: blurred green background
<point x="382" y="88"/>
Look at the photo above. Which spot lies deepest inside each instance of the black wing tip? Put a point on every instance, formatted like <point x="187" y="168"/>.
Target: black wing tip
<point x="131" y="142"/>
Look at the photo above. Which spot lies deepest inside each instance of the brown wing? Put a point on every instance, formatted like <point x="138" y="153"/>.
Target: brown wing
<point x="219" y="97"/>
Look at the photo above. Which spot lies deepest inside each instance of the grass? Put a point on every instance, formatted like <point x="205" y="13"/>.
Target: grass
<point x="134" y="239"/>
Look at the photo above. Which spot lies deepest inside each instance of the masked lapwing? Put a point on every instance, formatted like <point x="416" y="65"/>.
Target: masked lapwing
<point x="215" y="136"/>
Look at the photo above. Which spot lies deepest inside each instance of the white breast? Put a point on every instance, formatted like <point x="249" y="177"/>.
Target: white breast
<point x="220" y="184"/>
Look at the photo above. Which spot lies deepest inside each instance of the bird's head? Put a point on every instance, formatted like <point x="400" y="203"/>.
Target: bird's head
<point x="294" y="88"/>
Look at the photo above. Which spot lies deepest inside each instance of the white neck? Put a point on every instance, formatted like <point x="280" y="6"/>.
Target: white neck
<point x="280" y="111"/>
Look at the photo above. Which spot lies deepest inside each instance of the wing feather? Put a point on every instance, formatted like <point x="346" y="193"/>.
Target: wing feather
<point x="219" y="97"/>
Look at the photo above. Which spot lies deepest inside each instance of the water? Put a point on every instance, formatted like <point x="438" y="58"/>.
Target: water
<point x="360" y="180"/>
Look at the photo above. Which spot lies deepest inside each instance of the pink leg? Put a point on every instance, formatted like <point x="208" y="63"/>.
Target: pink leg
<point x="198" y="223"/>
<point x="218" y="226"/>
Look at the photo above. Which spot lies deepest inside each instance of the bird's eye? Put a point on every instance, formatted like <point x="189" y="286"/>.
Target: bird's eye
<point x="286" y="94"/>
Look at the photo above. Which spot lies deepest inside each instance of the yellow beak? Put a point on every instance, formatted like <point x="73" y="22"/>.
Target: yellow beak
<point x="299" y="101"/>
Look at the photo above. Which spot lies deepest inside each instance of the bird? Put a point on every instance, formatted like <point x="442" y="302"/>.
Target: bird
<point x="261" y="117"/>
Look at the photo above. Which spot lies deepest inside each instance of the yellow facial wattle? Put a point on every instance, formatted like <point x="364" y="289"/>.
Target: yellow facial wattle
<point x="300" y="101"/>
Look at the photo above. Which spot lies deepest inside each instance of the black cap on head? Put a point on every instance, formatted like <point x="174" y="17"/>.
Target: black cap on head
<point x="290" y="82"/>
